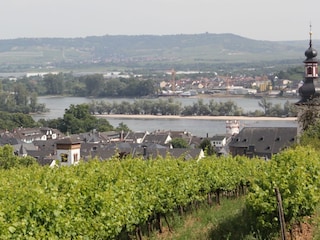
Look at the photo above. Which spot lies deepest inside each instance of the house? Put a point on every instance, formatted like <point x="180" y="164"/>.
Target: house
<point x="68" y="151"/>
<point x="218" y="141"/>
<point x="159" y="138"/>
<point x="44" y="152"/>
<point x="262" y="141"/>
<point x="195" y="142"/>
<point x="182" y="153"/>
<point x="112" y="136"/>
<point x="8" y="138"/>
<point x="51" y="133"/>
<point x="98" y="151"/>
<point x="23" y="149"/>
<point x="135" y="137"/>
<point x="47" y="145"/>
<point x="220" y="144"/>
<point x="28" y="135"/>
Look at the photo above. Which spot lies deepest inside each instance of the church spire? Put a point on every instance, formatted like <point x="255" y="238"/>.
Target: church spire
<point x="307" y="90"/>
<point x="310" y="34"/>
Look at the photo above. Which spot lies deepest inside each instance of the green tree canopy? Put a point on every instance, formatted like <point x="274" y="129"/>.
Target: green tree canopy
<point x="122" y="127"/>
<point x="206" y="146"/>
<point x="54" y="83"/>
<point x="94" y="84"/>
<point x="179" y="143"/>
<point x="8" y="159"/>
<point x="311" y="135"/>
<point x="77" y="119"/>
<point x="10" y="121"/>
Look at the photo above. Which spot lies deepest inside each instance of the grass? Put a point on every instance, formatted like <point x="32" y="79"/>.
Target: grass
<point x="226" y="221"/>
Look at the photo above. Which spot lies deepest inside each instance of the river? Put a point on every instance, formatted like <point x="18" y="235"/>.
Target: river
<point x="198" y="127"/>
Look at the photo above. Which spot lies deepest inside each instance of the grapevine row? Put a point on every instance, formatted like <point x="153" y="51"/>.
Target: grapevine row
<point x="102" y="200"/>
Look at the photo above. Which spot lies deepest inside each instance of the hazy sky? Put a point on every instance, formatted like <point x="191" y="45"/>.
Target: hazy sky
<point x="256" y="19"/>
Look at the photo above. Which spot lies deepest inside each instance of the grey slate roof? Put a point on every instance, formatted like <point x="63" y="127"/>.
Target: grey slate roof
<point x="262" y="141"/>
<point x="68" y="140"/>
<point x="156" y="138"/>
<point x="218" y="137"/>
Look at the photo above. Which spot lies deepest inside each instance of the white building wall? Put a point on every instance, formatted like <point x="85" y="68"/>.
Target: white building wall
<point x="68" y="157"/>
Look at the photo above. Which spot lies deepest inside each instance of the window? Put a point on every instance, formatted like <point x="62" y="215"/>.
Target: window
<point x="75" y="157"/>
<point x="64" y="157"/>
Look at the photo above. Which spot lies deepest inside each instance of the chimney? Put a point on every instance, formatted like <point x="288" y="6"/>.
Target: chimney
<point x="144" y="151"/>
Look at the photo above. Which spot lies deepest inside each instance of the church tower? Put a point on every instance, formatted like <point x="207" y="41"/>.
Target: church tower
<point x="68" y="151"/>
<point x="307" y="90"/>
<point x="308" y="106"/>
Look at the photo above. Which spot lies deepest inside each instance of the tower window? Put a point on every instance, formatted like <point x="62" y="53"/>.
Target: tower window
<point x="64" y="157"/>
<point x="75" y="157"/>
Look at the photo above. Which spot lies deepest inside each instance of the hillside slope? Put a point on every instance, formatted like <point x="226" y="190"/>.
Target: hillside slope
<point x="145" y="51"/>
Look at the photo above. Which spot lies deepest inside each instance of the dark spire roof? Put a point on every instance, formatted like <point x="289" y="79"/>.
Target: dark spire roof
<point x="311" y="53"/>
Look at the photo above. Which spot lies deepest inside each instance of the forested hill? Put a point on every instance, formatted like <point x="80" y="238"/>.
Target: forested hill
<point x="145" y="51"/>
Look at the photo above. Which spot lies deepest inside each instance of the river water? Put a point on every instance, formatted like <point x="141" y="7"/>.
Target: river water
<point x="199" y="127"/>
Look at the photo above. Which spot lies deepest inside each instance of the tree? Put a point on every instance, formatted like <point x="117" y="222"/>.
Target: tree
<point x="179" y="143"/>
<point x="310" y="114"/>
<point x="77" y="119"/>
<point x="94" y="84"/>
<point x="103" y="125"/>
<point x="54" y="83"/>
<point x="289" y="109"/>
<point x="10" y="121"/>
<point x="206" y="146"/>
<point x="122" y="127"/>
<point x="113" y="88"/>
<point x="265" y="105"/>
<point x="20" y="95"/>
<point x="8" y="159"/>
<point x="146" y="88"/>
<point x="311" y="135"/>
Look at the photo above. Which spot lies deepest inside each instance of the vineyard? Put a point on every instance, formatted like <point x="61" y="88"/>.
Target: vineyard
<point x="122" y="199"/>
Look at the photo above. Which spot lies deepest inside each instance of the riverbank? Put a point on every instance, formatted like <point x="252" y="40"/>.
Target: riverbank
<point x="240" y="118"/>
